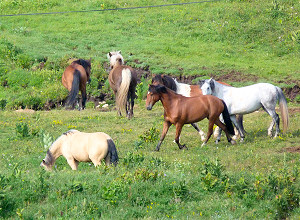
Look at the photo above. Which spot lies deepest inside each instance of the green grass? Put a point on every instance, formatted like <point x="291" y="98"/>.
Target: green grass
<point x="251" y="37"/>
<point x="254" y="179"/>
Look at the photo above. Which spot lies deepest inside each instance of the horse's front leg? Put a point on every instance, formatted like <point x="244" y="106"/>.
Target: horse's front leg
<point x="178" y="131"/>
<point x="233" y="119"/>
<point x="166" y="127"/>
<point x="73" y="163"/>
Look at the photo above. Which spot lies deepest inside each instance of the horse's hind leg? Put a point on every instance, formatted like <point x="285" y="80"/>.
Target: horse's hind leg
<point x="84" y="97"/>
<point x="209" y="132"/>
<point x="201" y="133"/>
<point x="275" y="120"/>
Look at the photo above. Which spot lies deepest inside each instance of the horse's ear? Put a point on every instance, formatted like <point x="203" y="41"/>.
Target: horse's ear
<point x="201" y="82"/>
<point x="109" y="55"/>
<point x="161" y="89"/>
<point x="212" y="84"/>
<point x="119" y="51"/>
<point x="43" y="162"/>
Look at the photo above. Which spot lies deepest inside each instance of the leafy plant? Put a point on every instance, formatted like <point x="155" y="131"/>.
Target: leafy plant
<point x="22" y="129"/>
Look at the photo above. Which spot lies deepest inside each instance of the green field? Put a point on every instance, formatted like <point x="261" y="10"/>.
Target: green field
<point x="238" y="41"/>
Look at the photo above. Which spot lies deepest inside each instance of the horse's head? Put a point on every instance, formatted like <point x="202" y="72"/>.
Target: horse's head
<point x="207" y="86"/>
<point x="154" y="94"/>
<point x="115" y="58"/>
<point x="48" y="162"/>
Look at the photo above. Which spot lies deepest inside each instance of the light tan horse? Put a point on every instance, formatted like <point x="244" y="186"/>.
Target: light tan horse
<point x="123" y="81"/>
<point x="78" y="146"/>
<point x="75" y="78"/>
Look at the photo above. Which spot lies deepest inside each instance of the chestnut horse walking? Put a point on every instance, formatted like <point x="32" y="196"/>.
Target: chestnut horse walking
<point x="75" y="78"/>
<point x="180" y="110"/>
<point x="190" y="91"/>
<point x="123" y="81"/>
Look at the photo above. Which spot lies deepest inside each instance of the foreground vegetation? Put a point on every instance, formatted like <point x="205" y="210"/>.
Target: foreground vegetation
<point x="255" y="179"/>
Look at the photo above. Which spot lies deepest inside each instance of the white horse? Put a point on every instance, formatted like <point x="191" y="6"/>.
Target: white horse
<point x="248" y="99"/>
<point x="78" y="146"/>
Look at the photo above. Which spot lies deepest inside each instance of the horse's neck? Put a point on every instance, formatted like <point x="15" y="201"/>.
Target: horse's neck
<point x="55" y="148"/>
<point x="167" y="99"/>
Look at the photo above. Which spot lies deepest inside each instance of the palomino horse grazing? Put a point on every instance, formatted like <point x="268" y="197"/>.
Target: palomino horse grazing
<point x="123" y="81"/>
<point x="78" y="146"/>
<point x="180" y="110"/>
<point x="75" y="78"/>
<point x="189" y="91"/>
<point x="248" y="99"/>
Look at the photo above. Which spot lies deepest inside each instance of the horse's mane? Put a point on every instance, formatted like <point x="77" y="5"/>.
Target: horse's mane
<point x="72" y="131"/>
<point x="49" y="158"/>
<point x="158" y="89"/>
<point x="166" y="81"/>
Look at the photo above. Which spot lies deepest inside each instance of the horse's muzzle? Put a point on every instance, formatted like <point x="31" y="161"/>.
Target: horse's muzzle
<point x="149" y="107"/>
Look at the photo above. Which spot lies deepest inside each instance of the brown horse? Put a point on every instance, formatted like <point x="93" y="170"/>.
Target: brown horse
<point x="180" y="110"/>
<point x="75" y="78"/>
<point x="123" y="81"/>
<point x="190" y="91"/>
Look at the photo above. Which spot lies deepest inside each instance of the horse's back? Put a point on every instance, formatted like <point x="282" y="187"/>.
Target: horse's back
<point x="115" y="76"/>
<point x="83" y="145"/>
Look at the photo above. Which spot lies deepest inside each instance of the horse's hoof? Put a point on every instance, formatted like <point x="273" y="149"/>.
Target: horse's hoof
<point x="203" y="144"/>
<point x="217" y="141"/>
<point x="235" y="137"/>
<point x="233" y="142"/>
<point x="183" y="147"/>
<point x="156" y="149"/>
<point x="242" y="140"/>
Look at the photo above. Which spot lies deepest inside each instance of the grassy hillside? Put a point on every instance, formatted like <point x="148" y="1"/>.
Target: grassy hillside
<point x="259" y="38"/>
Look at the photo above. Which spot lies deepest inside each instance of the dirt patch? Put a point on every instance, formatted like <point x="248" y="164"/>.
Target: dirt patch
<point x="292" y="149"/>
<point x="291" y="93"/>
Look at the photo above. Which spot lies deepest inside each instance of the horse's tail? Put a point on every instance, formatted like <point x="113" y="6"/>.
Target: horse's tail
<point x="283" y="109"/>
<point x="75" y="88"/>
<point x="112" y="151"/>
<point x="227" y="119"/>
<point x="122" y="94"/>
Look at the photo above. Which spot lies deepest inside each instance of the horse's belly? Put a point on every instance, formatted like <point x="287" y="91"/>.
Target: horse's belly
<point x="244" y="108"/>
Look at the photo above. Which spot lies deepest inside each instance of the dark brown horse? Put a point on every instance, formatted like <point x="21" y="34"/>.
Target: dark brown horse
<point x="74" y="79"/>
<point x="189" y="91"/>
<point x="180" y="110"/>
<point x="123" y="81"/>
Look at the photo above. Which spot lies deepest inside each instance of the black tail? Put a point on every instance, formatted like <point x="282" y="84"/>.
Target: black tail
<point x="112" y="150"/>
<point x="227" y="119"/>
<point x="75" y="88"/>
